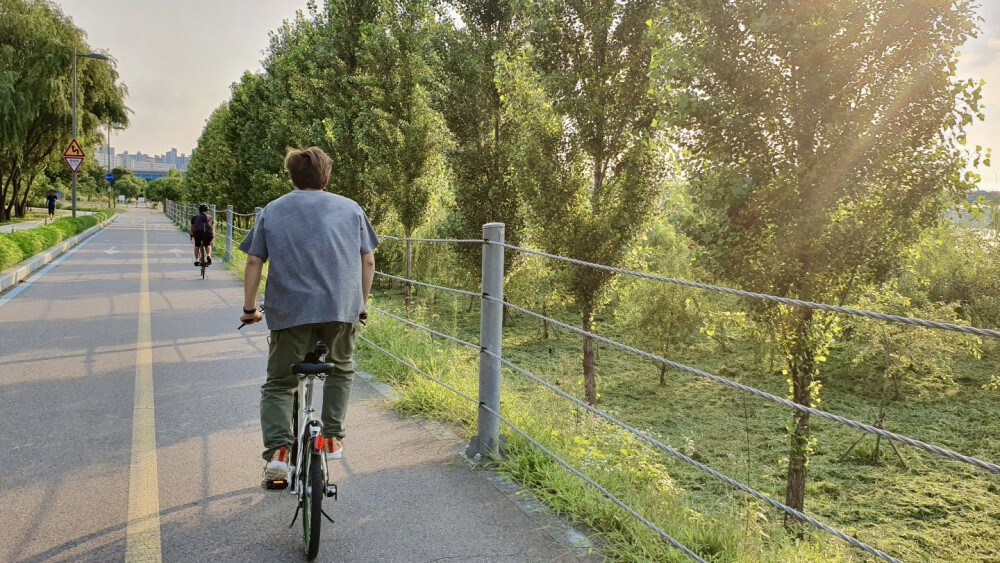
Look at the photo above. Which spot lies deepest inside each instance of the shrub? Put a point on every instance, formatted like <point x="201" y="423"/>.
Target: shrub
<point x="10" y="253"/>
<point x="20" y="245"/>
<point x="29" y="241"/>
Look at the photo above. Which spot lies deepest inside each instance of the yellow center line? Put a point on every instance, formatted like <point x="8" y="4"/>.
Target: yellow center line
<point x="142" y="534"/>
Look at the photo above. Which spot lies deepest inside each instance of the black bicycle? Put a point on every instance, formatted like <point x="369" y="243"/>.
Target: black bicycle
<point x="202" y="259"/>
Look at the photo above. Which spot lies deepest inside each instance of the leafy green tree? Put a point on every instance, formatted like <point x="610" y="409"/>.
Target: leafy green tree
<point x="900" y="353"/>
<point x="257" y="176"/>
<point x="413" y="152"/>
<point x="325" y="91"/>
<point x="130" y="186"/>
<point x="212" y="163"/>
<point x="588" y="155"/>
<point x="660" y="317"/>
<point x="825" y="137"/>
<point x="482" y="132"/>
<point x="36" y="49"/>
<point x="172" y="187"/>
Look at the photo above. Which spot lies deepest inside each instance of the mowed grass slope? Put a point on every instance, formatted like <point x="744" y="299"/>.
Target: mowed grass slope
<point x="931" y="509"/>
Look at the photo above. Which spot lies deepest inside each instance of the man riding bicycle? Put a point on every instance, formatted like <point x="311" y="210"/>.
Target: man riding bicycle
<point x="202" y="234"/>
<point x="321" y="252"/>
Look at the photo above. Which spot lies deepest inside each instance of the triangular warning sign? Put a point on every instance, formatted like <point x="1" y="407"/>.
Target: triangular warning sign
<point x="73" y="150"/>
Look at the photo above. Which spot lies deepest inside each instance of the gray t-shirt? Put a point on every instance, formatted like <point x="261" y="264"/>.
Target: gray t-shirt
<point x="313" y="241"/>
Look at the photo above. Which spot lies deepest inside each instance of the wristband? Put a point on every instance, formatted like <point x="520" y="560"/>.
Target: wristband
<point x="249" y="311"/>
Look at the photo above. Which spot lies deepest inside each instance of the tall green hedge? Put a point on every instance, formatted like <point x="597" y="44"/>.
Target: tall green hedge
<point x="20" y="245"/>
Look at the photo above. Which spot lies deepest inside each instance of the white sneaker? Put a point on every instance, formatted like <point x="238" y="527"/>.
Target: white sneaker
<point x="277" y="468"/>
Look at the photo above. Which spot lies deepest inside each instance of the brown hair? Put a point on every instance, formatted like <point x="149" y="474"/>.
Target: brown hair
<point x="309" y="168"/>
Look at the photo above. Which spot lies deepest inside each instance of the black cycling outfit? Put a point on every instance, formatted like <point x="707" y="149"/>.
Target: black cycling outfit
<point x="203" y="238"/>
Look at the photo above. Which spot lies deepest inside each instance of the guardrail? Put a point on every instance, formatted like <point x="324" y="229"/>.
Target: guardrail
<point x="487" y="440"/>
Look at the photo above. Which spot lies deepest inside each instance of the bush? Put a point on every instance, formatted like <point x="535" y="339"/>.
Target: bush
<point x="29" y="241"/>
<point x="10" y="253"/>
<point x="20" y="245"/>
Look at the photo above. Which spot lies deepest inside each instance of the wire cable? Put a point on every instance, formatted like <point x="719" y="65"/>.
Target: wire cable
<point x="431" y="286"/>
<point x="763" y="296"/>
<point x="987" y="466"/>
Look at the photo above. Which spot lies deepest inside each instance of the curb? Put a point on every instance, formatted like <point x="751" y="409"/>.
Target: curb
<point x="576" y="542"/>
<point x="16" y="274"/>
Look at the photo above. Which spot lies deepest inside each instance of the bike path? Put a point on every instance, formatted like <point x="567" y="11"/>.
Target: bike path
<point x="73" y="357"/>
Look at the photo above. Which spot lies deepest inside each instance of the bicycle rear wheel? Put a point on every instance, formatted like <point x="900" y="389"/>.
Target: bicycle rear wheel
<point x="312" y="504"/>
<point x="202" y="251"/>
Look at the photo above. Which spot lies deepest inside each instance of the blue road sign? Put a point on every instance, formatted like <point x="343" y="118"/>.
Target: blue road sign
<point x="110" y="177"/>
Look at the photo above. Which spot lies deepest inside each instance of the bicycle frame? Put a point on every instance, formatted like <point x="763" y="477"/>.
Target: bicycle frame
<point x="310" y="429"/>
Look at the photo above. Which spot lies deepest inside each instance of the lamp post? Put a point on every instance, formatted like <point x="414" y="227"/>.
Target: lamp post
<point x="86" y="56"/>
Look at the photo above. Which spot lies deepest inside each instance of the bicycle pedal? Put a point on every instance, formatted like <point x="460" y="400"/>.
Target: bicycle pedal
<point x="331" y="491"/>
<point x="278" y="485"/>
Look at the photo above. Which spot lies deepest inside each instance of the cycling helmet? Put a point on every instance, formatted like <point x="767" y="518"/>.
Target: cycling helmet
<point x="202" y="208"/>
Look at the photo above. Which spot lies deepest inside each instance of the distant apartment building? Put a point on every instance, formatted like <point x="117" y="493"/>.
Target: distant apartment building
<point x="142" y="164"/>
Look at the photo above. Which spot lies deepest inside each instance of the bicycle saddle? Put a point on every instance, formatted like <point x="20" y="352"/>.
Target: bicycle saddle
<point x="312" y="369"/>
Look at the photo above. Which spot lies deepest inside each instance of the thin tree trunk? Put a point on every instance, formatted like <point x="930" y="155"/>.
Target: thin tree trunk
<point x="802" y="370"/>
<point x="589" y="369"/>
<point x="545" y="323"/>
<point x="663" y="375"/>
<point x="407" y="260"/>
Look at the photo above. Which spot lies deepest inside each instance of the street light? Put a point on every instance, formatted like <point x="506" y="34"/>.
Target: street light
<point x="97" y="56"/>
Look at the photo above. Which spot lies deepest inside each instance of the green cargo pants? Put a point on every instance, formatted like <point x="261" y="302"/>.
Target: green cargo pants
<point x="289" y="346"/>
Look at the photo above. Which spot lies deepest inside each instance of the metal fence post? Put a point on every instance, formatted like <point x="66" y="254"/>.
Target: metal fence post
<point x="229" y="233"/>
<point x="487" y="441"/>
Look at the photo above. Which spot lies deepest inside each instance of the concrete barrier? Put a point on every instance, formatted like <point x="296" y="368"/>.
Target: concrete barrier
<point x="16" y="274"/>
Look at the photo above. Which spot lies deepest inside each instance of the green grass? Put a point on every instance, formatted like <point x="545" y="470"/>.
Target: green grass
<point x="932" y="510"/>
<point x="21" y="245"/>
<point x="31" y="216"/>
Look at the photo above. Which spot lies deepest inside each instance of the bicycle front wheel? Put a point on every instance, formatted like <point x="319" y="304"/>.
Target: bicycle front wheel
<point x="312" y="514"/>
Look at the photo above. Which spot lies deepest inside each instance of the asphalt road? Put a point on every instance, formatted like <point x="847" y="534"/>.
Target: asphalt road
<point x="129" y="416"/>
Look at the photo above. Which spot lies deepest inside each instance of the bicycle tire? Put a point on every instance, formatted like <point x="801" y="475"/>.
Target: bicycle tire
<point x="202" y="262"/>
<point x="312" y="505"/>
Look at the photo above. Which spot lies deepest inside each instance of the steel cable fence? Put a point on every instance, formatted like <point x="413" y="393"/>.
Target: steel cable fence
<point x="666" y="537"/>
<point x="649" y="440"/>
<point x="987" y="466"/>
<point x="763" y="296"/>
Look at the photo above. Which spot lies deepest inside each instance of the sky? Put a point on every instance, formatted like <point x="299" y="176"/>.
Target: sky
<point x="179" y="58"/>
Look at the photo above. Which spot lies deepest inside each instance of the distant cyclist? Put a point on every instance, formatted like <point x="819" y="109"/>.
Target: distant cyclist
<point x="320" y="247"/>
<point x="202" y="234"/>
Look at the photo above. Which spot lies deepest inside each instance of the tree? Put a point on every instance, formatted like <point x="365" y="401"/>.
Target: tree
<point x="172" y="187"/>
<point x="482" y="131"/>
<point x="322" y="76"/>
<point x="660" y="317"/>
<point x="417" y="136"/>
<point x="825" y="136"/>
<point x="36" y="47"/>
<point x="588" y="155"/>
<point x="130" y="186"/>
<point x="212" y="162"/>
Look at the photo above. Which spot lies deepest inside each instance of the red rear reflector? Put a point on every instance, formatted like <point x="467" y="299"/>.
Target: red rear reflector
<point x="319" y="442"/>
